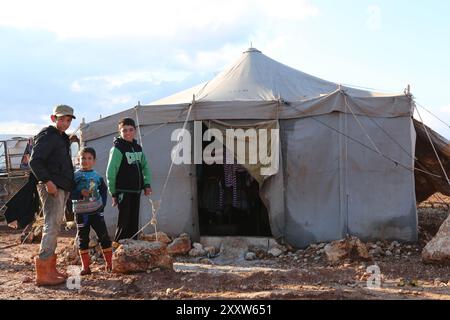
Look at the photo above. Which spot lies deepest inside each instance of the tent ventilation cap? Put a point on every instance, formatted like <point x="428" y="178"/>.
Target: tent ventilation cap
<point x="252" y="50"/>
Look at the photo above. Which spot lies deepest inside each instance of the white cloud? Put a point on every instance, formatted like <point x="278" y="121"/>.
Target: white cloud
<point x="109" y="18"/>
<point x="95" y="84"/>
<point x="209" y="60"/>
<point x="20" y="128"/>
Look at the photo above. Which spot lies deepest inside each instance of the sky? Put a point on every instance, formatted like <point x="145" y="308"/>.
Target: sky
<point x="102" y="57"/>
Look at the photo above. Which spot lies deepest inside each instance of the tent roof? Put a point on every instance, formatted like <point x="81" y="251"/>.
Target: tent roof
<point x="257" y="87"/>
<point x="256" y="77"/>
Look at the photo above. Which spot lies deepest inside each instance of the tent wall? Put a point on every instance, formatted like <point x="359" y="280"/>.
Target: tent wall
<point x="381" y="194"/>
<point x="178" y="211"/>
<point x="311" y="156"/>
<point x="334" y="186"/>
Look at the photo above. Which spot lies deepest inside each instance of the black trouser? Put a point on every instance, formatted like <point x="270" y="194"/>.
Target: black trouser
<point x="128" y="224"/>
<point x="97" y="222"/>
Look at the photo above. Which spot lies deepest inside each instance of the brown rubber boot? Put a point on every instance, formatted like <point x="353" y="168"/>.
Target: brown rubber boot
<point x="45" y="276"/>
<point x="85" y="262"/>
<point x="59" y="274"/>
<point x="107" y="255"/>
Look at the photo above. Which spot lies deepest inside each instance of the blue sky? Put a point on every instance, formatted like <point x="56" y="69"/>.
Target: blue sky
<point x="104" y="56"/>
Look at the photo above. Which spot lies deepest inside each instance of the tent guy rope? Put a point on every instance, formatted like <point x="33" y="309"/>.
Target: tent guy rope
<point x="156" y="204"/>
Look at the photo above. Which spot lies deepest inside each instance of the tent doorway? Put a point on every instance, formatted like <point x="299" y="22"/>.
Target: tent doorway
<point x="229" y="202"/>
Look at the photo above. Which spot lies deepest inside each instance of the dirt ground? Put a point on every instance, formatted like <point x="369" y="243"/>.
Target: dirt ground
<point x="301" y="274"/>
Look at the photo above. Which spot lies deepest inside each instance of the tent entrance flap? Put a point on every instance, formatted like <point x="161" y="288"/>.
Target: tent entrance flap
<point x="229" y="203"/>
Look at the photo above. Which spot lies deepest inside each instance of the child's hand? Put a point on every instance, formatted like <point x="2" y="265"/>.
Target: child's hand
<point x="51" y="188"/>
<point x="85" y="193"/>
<point x="148" y="191"/>
<point x="114" y="202"/>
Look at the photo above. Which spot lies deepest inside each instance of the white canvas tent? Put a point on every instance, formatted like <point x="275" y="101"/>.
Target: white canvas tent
<point x="346" y="154"/>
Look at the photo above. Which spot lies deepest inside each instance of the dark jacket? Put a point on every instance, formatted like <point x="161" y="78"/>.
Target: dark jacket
<point x="128" y="170"/>
<point x="51" y="158"/>
<point x="24" y="205"/>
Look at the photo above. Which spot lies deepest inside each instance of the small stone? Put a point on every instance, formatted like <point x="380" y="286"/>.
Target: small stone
<point x="205" y="261"/>
<point x="198" y="246"/>
<point x="161" y="236"/>
<point x="211" y="251"/>
<point x="350" y="247"/>
<point x="197" y="253"/>
<point x="388" y="253"/>
<point x="27" y="279"/>
<point x="250" y="256"/>
<point x="377" y="251"/>
<point x="180" y="246"/>
<point x="395" y="244"/>
<point x="275" y="252"/>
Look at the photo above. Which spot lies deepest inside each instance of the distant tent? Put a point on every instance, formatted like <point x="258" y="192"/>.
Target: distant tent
<point x="347" y="155"/>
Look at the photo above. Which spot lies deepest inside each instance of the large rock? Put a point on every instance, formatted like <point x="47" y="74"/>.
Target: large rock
<point x="180" y="246"/>
<point x="348" y="248"/>
<point x="162" y="237"/>
<point x="438" y="249"/>
<point x="140" y="256"/>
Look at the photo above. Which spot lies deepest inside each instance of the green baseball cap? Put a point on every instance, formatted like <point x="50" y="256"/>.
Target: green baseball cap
<point x="63" y="110"/>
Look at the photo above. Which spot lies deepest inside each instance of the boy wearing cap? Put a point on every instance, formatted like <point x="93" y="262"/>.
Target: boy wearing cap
<point x="51" y="164"/>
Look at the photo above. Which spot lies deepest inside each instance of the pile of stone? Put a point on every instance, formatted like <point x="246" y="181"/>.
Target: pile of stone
<point x="258" y="253"/>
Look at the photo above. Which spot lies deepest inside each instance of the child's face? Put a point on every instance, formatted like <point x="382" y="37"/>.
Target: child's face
<point x="62" y="123"/>
<point x="127" y="133"/>
<point x="87" y="161"/>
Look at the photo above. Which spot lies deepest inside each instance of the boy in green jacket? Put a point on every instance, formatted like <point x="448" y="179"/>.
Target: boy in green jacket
<point x="127" y="174"/>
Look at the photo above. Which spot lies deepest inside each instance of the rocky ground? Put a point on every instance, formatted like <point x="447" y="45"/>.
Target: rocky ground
<point x="294" y="274"/>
